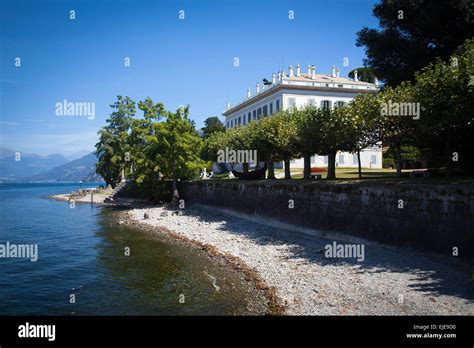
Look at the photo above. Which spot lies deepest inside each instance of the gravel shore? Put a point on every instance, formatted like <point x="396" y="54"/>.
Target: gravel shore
<point x="388" y="282"/>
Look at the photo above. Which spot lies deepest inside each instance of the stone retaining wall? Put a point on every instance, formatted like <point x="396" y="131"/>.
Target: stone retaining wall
<point x="435" y="218"/>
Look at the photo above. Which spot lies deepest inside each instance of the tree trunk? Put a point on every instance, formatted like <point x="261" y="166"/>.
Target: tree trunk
<point x="332" y="165"/>
<point x="271" y="170"/>
<point x="287" y="170"/>
<point x="399" y="160"/>
<point x="360" y="164"/>
<point x="307" y="167"/>
<point x="245" y="167"/>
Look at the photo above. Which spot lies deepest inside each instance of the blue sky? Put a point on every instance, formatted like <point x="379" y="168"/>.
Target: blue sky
<point x="174" y="61"/>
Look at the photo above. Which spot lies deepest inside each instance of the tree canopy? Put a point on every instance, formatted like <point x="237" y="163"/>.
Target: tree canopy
<point x="413" y="34"/>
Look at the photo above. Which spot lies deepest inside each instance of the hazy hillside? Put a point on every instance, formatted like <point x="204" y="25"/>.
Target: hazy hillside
<point x="30" y="164"/>
<point x="82" y="169"/>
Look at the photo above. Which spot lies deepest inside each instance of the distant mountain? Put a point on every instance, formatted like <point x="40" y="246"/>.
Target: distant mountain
<point x="15" y="168"/>
<point x="78" y="155"/>
<point x="81" y="169"/>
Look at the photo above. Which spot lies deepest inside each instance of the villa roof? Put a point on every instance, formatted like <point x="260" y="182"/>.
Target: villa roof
<point x="320" y="82"/>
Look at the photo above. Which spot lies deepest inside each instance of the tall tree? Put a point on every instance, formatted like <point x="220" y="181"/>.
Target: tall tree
<point x="445" y="90"/>
<point x="412" y="34"/>
<point x="212" y="125"/>
<point x="363" y="74"/>
<point x="308" y="139"/>
<point x="113" y="149"/>
<point x="364" y="114"/>
<point x="178" y="148"/>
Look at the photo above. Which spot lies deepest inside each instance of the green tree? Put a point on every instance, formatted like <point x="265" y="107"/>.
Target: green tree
<point x="177" y="148"/>
<point x="397" y="130"/>
<point x="336" y="134"/>
<point x="364" y="127"/>
<point x="363" y="74"/>
<point x="113" y="149"/>
<point x="445" y="90"/>
<point x="308" y="138"/>
<point x="412" y="34"/>
<point x="272" y="137"/>
<point x="212" y="125"/>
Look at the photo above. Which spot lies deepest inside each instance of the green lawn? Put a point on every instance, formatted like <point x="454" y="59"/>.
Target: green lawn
<point x="385" y="175"/>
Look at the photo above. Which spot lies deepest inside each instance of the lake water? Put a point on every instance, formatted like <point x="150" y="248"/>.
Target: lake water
<point x="81" y="252"/>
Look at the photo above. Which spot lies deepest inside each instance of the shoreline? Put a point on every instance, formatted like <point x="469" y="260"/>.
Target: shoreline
<point x="304" y="282"/>
<point x="274" y="305"/>
<point x="287" y="263"/>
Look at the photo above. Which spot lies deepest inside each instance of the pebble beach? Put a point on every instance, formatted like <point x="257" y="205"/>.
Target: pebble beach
<point x="293" y="264"/>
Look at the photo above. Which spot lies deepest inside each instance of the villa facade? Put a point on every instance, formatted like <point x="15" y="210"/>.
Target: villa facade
<point x="296" y="90"/>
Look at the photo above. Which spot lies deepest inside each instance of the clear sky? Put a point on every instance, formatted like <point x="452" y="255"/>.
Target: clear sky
<point x="172" y="60"/>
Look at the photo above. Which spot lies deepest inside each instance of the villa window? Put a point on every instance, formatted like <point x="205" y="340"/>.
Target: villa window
<point x="254" y="114"/>
<point x="239" y="122"/>
<point x="271" y="108"/>
<point x="249" y="117"/>
<point x="227" y="124"/>
<point x="265" y="110"/>
<point x="291" y="103"/>
<point x="243" y="119"/>
<point x="259" y="113"/>
<point x="339" y="104"/>
<point x="326" y="104"/>
<point x="277" y="105"/>
<point x="341" y="159"/>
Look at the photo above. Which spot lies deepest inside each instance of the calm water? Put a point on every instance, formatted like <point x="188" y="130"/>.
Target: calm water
<point x="81" y="252"/>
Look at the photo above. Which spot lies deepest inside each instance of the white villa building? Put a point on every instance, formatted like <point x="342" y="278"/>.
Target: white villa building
<point x="296" y="90"/>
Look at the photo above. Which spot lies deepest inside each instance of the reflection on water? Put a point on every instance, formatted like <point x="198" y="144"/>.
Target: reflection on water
<point x="82" y="251"/>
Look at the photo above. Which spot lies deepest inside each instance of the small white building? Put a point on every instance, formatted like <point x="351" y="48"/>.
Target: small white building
<point x="296" y="90"/>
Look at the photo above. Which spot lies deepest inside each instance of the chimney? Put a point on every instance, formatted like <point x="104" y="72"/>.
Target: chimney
<point x="283" y="75"/>
<point x="333" y="72"/>
<point x="313" y="72"/>
<point x="356" y="78"/>
<point x="291" y="71"/>
<point x="309" y="71"/>
<point x="258" y="88"/>
<point x="337" y="72"/>
<point x="298" y="70"/>
<point x="228" y="105"/>
<point x="273" y="78"/>
<point x="279" y="75"/>
<point x="248" y="92"/>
